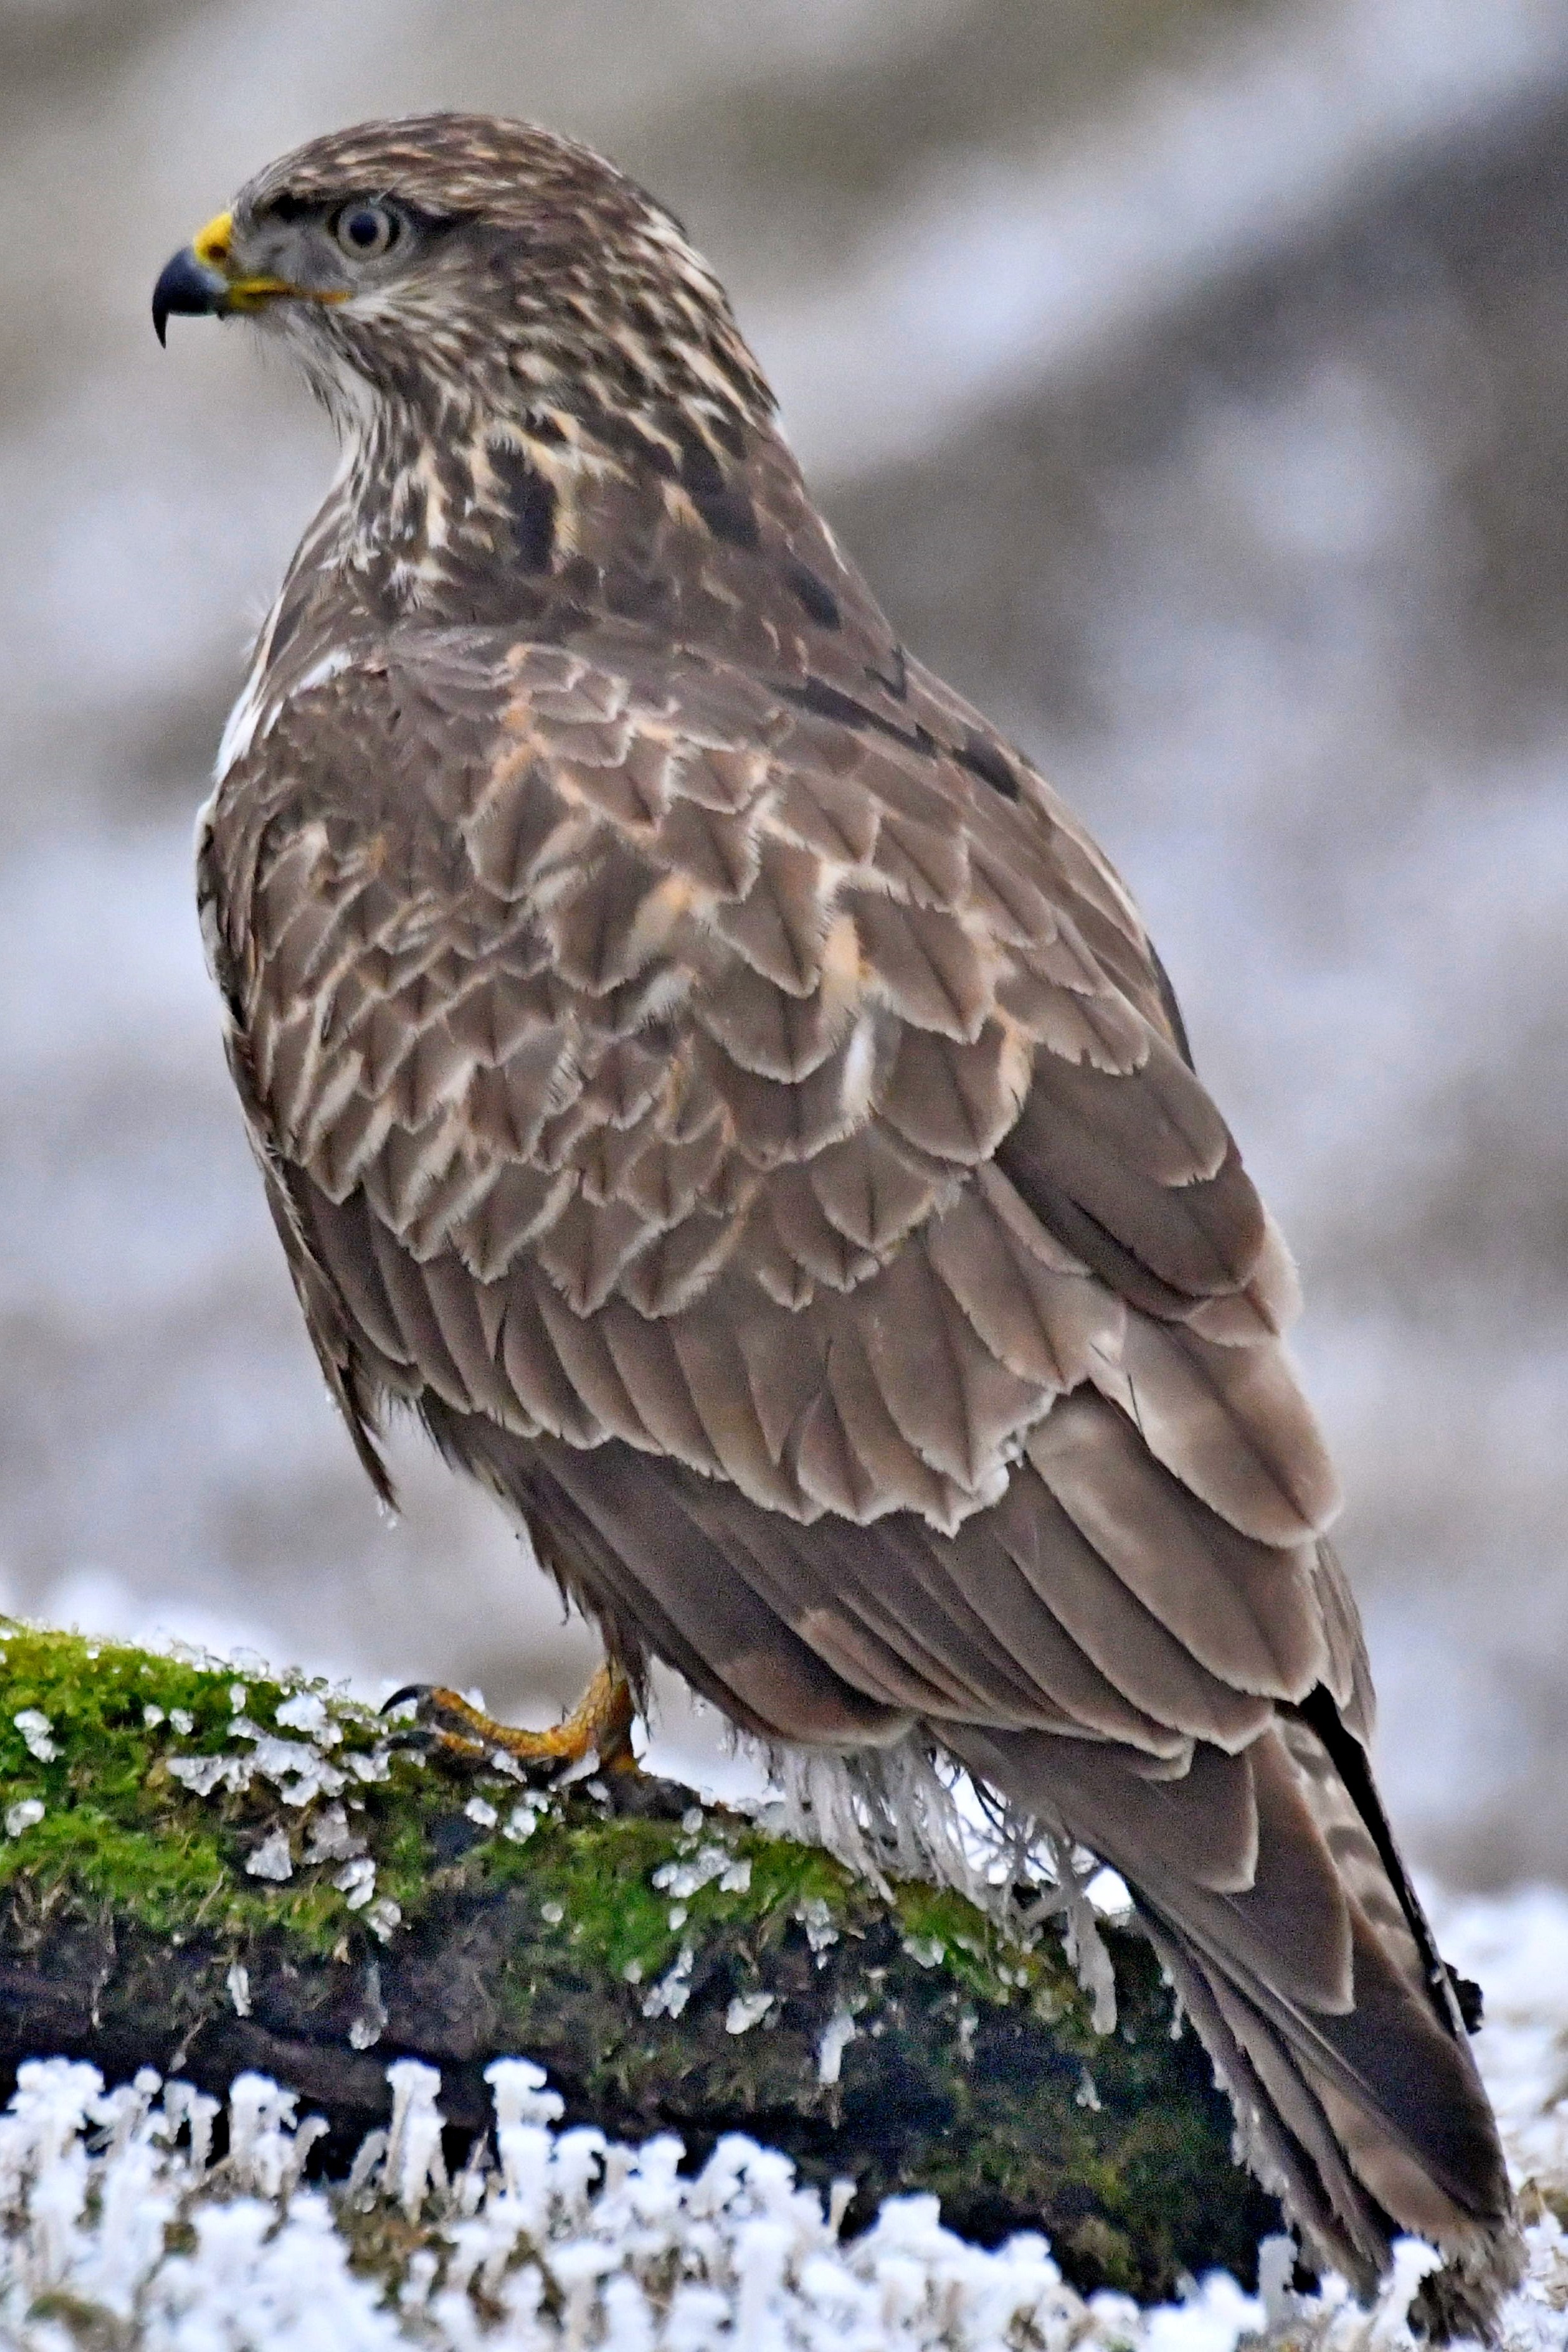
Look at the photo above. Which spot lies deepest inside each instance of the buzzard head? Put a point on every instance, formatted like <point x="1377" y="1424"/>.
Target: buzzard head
<point x="449" y="264"/>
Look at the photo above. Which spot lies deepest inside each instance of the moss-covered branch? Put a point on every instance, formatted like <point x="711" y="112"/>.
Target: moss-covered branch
<point x="205" y="1873"/>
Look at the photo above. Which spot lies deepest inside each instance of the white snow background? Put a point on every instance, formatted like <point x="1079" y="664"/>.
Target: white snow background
<point x="122" y="2234"/>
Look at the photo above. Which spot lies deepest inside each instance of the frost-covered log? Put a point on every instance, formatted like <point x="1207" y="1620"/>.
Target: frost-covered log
<point x="205" y="1874"/>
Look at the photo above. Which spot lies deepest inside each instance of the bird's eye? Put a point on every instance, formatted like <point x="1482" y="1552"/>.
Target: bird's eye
<point x="366" y="231"/>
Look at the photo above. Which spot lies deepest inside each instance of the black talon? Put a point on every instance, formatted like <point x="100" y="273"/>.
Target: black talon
<point x="418" y="1692"/>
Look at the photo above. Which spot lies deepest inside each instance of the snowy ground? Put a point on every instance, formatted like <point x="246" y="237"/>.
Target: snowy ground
<point x="118" y="2234"/>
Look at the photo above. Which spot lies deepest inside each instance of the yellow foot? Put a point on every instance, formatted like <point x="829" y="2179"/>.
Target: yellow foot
<point x="599" y="1726"/>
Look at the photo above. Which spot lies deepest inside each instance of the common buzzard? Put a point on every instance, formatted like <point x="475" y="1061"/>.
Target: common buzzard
<point x="702" y="1069"/>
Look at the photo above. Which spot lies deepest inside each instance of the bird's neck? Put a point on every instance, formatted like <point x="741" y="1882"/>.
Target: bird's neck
<point x="558" y="524"/>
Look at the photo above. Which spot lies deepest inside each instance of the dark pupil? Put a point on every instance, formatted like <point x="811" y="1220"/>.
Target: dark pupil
<point x="365" y="228"/>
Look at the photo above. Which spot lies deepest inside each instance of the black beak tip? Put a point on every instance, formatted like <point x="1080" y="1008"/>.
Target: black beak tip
<point x="186" y="287"/>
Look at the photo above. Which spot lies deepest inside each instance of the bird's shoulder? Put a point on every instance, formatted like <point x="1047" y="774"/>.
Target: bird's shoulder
<point x="430" y="757"/>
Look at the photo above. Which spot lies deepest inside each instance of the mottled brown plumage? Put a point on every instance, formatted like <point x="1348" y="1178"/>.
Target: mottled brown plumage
<point x="705" y="1071"/>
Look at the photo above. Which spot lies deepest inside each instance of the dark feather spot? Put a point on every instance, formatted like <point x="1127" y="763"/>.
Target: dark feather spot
<point x="1171" y="1009"/>
<point x="723" y="506"/>
<point x="621" y="434"/>
<point x="1349" y="1758"/>
<point x="729" y="517"/>
<point x="827" y="702"/>
<point x="531" y="501"/>
<point x="815" y="594"/>
<point x="895" y="677"/>
<point x="701" y="472"/>
<point x="729" y="434"/>
<point x="983" y="760"/>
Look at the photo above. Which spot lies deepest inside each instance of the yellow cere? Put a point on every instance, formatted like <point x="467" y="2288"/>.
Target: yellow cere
<point x="210" y="244"/>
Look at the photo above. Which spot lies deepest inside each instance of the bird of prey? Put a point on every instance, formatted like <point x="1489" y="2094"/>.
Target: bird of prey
<point x="699" y="1067"/>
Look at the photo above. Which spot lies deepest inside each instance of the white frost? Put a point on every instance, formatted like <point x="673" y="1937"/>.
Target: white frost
<point x="688" y="1874"/>
<point x="296" y="1767"/>
<point x="271" y="1858"/>
<point x="202" y="1774"/>
<point x="328" y="1837"/>
<point x="669" y="1996"/>
<point x="837" y="2035"/>
<point x="306" y="1712"/>
<point x="36" y="1728"/>
<point x="356" y="1882"/>
<point x="747" y="2010"/>
<point x="382" y="1917"/>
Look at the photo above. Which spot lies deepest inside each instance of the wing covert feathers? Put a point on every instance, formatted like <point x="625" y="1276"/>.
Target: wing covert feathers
<point x="644" y="986"/>
<point x="763" y="1149"/>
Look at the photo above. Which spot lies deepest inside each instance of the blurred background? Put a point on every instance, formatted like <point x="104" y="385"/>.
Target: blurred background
<point x="1191" y="377"/>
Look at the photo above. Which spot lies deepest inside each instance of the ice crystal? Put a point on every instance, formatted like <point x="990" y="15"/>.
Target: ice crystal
<point x="329" y="1838"/>
<point x="688" y="1874"/>
<point x="357" y="1882"/>
<point x="35" y="1728"/>
<point x="296" y="1767"/>
<point x="669" y="1996"/>
<point x="306" y="1711"/>
<point x="837" y="2035"/>
<point x="271" y="1858"/>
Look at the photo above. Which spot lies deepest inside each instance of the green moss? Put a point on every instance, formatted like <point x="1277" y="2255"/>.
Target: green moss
<point x="612" y="1945"/>
<point x="120" y="1828"/>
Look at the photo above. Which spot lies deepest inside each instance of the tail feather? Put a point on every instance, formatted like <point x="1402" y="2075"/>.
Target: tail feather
<point x="1284" y="2134"/>
<point x="1348" y="2186"/>
<point x="1313" y="1982"/>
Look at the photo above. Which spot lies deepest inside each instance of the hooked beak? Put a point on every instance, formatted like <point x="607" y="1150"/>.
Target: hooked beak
<point x="186" y="286"/>
<point x="200" y="281"/>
